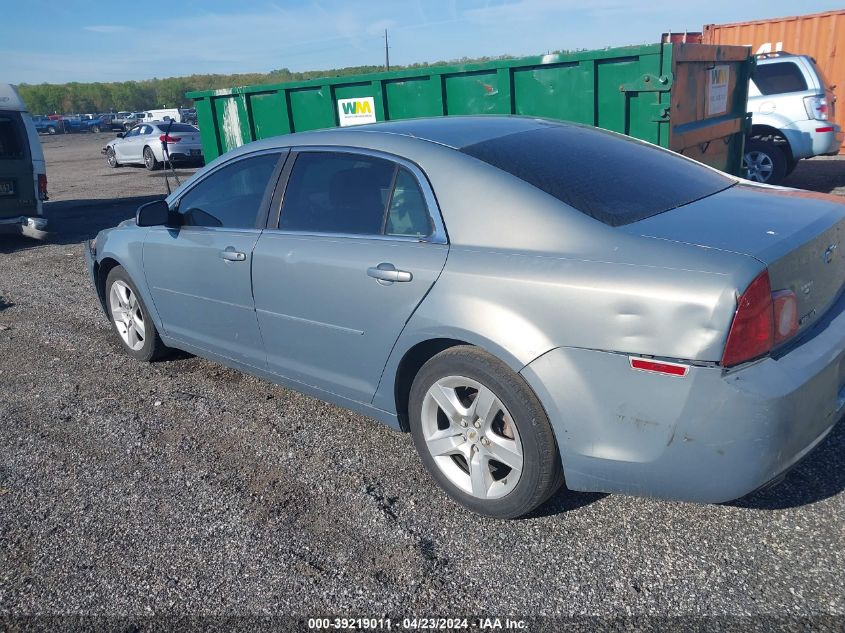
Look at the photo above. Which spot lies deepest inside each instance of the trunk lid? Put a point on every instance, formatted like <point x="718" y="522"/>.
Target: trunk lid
<point x="798" y="235"/>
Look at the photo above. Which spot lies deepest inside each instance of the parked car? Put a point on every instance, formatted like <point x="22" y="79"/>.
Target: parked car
<point x="127" y="120"/>
<point x="143" y="145"/>
<point x="792" y="108"/>
<point x="189" y="115"/>
<point x="83" y="123"/>
<point x="45" y="125"/>
<point x="23" y="174"/>
<point x="107" y="119"/>
<point x="529" y="298"/>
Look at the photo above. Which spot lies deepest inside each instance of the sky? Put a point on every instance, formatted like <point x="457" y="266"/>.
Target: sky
<point x="57" y="41"/>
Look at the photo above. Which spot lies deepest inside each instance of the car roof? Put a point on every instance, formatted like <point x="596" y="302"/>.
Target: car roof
<point x="457" y="131"/>
<point x="452" y="132"/>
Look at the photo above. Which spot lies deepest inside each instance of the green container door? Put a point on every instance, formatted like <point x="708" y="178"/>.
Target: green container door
<point x="658" y="93"/>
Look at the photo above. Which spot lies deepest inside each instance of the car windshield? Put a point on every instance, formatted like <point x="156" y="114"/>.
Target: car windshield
<point x="604" y="175"/>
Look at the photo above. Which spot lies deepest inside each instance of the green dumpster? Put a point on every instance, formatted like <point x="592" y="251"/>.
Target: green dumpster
<point x="690" y="98"/>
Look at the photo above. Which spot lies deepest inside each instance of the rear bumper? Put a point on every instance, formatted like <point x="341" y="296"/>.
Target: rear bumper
<point x="710" y="436"/>
<point x="806" y="141"/>
<point x="28" y="226"/>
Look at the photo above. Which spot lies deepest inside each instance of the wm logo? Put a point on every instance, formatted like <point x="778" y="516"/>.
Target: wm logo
<point x="357" y="107"/>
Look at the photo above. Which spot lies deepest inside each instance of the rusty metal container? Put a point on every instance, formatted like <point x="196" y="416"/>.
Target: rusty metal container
<point x="819" y="35"/>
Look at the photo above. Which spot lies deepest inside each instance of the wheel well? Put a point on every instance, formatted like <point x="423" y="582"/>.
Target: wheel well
<point x="410" y="365"/>
<point x="772" y="135"/>
<point x="101" y="273"/>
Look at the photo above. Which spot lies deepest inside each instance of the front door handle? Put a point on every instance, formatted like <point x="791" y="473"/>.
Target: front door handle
<point x="387" y="273"/>
<point x="231" y="255"/>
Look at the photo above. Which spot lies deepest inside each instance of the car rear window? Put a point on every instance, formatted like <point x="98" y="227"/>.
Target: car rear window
<point x="606" y="176"/>
<point x="778" y="78"/>
<point x="11" y="137"/>
<point x="178" y="127"/>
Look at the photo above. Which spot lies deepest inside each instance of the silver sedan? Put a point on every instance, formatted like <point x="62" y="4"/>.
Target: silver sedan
<point x="534" y="301"/>
<point x="152" y="143"/>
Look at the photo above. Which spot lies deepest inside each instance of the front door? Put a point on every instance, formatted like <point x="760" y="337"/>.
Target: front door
<point x="200" y="274"/>
<point x="358" y="247"/>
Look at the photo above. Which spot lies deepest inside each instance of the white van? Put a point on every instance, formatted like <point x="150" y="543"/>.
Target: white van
<point x="23" y="176"/>
<point x="165" y="114"/>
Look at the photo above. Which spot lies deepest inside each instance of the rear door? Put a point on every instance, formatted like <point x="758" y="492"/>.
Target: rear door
<point x="359" y="244"/>
<point x="17" y="190"/>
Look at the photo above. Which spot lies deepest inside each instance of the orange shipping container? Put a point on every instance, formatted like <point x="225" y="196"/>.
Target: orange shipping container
<point x="820" y="35"/>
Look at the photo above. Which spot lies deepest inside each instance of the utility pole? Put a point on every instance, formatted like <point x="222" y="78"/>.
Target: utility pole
<point x="386" y="52"/>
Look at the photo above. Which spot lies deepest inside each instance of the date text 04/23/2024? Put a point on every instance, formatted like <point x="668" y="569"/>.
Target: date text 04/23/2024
<point x="416" y="624"/>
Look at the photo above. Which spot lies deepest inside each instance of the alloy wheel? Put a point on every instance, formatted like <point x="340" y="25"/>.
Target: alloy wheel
<point x="127" y="315"/>
<point x="759" y="165"/>
<point x="472" y="437"/>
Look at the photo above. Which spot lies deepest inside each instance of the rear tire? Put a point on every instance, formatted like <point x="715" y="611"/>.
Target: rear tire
<point x="494" y="452"/>
<point x="150" y="161"/>
<point x="95" y="129"/>
<point x="130" y="318"/>
<point x="51" y="130"/>
<point x="764" y="162"/>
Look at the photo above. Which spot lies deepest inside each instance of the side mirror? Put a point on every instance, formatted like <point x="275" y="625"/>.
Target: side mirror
<point x="155" y="213"/>
<point x="119" y="135"/>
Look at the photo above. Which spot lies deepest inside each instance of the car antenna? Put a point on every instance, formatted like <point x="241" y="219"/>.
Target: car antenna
<point x="167" y="162"/>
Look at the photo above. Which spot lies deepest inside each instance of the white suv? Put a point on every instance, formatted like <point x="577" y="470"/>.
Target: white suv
<point x="792" y="107"/>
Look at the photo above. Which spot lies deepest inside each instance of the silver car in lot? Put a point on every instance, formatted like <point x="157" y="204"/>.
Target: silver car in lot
<point x="533" y="300"/>
<point x="144" y="144"/>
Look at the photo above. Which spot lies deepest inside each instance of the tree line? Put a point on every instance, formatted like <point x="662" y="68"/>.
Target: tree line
<point x="170" y="92"/>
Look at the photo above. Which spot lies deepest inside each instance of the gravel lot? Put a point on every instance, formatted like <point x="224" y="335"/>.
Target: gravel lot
<point x="183" y="487"/>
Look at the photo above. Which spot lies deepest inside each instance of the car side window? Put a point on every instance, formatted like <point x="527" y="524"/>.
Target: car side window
<point x="337" y="193"/>
<point x="135" y="131"/>
<point x="779" y="78"/>
<point x="230" y="197"/>
<point x="408" y="214"/>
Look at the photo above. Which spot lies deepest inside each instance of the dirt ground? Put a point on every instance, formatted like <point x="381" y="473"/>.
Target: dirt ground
<point x="182" y="487"/>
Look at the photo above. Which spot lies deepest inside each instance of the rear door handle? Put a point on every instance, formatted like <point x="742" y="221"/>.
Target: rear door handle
<point x="231" y="255"/>
<point x="387" y="273"/>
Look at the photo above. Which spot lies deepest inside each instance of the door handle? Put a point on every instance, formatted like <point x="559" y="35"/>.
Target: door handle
<point x="231" y="255"/>
<point x="387" y="273"/>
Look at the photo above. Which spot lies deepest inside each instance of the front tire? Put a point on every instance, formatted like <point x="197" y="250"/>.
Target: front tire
<point x="150" y="161"/>
<point x="764" y="162"/>
<point x="482" y="434"/>
<point x="95" y="129"/>
<point x="111" y="157"/>
<point x="130" y="318"/>
<point x="51" y="130"/>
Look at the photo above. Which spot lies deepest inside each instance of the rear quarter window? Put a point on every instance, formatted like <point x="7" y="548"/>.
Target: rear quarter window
<point x="779" y="78"/>
<point x="12" y="136"/>
<point x="609" y="177"/>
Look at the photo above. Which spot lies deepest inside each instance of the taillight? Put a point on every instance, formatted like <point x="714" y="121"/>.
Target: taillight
<point x="753" y="329"/>
<point x="42" y="186"/>
<point x="786" y="315"/>
<point x="816" y="108"/>
<point x="763" y="320"/>
<point x="164" y="138"/>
